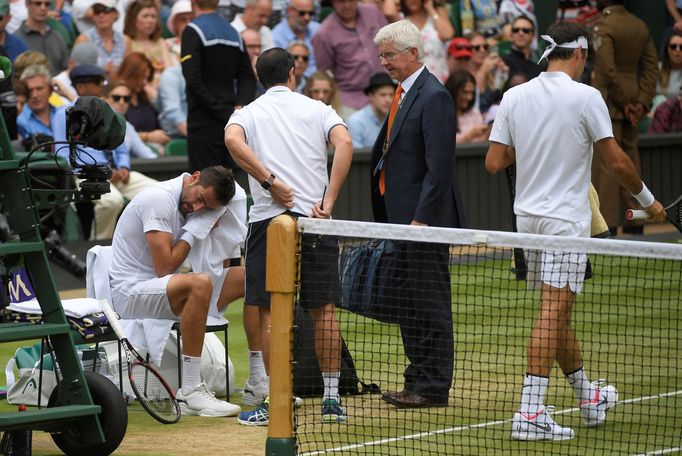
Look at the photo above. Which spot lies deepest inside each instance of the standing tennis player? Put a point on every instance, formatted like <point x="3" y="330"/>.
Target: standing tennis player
<point x="281" y="141"/>
<point x="553" y="159"/>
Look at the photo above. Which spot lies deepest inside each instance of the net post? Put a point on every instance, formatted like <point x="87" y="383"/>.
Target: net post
<point x="280" y="281"/>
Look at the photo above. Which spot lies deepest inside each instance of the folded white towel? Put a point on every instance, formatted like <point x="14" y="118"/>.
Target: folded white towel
<point x="76" y="308"/>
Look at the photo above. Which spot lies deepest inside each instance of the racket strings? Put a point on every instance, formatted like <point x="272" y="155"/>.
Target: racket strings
<point x="153" y="393"/>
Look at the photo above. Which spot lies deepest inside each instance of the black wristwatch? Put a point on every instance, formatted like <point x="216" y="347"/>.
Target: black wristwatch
<point x="267" y="183"/>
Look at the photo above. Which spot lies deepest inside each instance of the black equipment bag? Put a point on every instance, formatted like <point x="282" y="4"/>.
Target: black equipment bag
<point x="370" y="280"/>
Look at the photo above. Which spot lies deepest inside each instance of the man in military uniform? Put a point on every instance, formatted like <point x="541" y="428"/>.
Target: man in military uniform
<point x="626" y="71"/>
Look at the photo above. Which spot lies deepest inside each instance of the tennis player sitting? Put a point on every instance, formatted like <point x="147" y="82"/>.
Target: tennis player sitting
<point x="553" y="160"/>
<point x="151" y="241"/>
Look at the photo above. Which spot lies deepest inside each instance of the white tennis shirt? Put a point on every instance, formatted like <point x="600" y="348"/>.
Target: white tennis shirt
<point x="552" y="121"/>
<point x="288" y="132"/>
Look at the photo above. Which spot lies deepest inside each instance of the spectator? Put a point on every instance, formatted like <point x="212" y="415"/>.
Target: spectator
<point x="252" y="43"/>
<point x="181" y="14"/>
<point x="219" y="78"/>
<point x="520" y="58"/>
<point x="89" y="81"/>
<point x="459" y="55"/>
<point x="37" y="116"/>
<point x="365" y="124"/>
<point x="298" y="26"/>
<point x="489" y="70"/>
<point x="83" y="16"/>
<point x="118" y="95"/>
<point x="301" y="53"/>
<point x="626" y="71"/>
<point x="39" y="36"/>
<point x="583" y="12"/>
<point x="470" y="126"/>
<point x="671" y="66"/>
<point x="81" y="54"/>
<point x="12" y="43"/>
<point x="668" y="116"/>
<point x="143" y="33"/>
<point x="343" y="45"/>
<point x="28" y="58"/>
<point x="511" y="9"/>
<point x="172" y="102"/>
<point x="110" y="44"/>
<point x="19" y="13"/>
<point x="434" y="24"/>
<point x="21" y="94"/>
<point x="255" y="17"/>
<point x="137" y="72"/>
<point x="674" y="8"/>
<point x="321" y="86"/>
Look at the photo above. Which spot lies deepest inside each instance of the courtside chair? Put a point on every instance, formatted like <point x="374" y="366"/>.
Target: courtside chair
<point x="212" y="328"/>
<point x="176" y="148"/>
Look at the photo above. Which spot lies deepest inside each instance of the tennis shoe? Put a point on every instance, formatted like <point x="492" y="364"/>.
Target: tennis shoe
<point x="594" y="410"/>
<point x="200" y="401"/>
<point x="332" y="412"/>
<point x="255" y="394"/>
<point x="539" y="426"/>
<point x="260" y="416"/>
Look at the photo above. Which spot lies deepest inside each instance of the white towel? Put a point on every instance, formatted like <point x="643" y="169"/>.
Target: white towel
<point x="76" y="308"/>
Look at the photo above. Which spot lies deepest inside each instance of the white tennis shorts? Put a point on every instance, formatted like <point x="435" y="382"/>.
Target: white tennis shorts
<point x="554" y="268"/>
<point x="149" y="298"/>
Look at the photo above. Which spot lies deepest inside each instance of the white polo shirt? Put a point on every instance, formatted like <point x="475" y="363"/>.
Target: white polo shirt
<point x="288" y="132"/>
<point x="552" y="121"/>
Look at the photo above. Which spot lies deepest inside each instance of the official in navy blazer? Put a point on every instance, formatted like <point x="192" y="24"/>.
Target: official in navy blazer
<point x="414" y="182"/>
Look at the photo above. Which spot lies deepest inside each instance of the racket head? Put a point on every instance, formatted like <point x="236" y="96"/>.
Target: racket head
<point x="674" y="213"/>
<point x="153" y="392"/>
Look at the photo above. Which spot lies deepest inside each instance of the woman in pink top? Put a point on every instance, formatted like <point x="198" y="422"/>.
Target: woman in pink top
<point x="470" y="125"/>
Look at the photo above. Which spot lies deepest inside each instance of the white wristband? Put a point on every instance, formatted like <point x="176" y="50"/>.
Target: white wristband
<point x="645" y="198"/>
<point x="187" y="237"/>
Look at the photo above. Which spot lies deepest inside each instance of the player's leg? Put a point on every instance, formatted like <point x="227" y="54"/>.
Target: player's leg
<point x="532" y="422"/>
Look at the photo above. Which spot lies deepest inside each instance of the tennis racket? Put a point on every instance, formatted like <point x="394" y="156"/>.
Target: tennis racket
<point x="150" y="388"/>
<point x="673" y="214"/>
<point x="520" y="266"/>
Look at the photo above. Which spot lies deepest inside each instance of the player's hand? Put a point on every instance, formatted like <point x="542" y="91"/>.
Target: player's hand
<point x="656" y="213"/>
<point x="124" y="174"/>
<point x="325" y="213"/>
<point x="282" y="193"/>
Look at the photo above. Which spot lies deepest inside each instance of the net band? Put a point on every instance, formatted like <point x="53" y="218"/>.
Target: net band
<point x="490" y="238"/>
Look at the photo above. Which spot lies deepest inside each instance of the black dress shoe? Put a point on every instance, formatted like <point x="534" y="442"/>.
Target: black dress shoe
<point x="406" y="399"/>
<point x="391" y="396"/>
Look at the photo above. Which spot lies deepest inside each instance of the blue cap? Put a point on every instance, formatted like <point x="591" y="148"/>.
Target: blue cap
<point x="86" y="71"/>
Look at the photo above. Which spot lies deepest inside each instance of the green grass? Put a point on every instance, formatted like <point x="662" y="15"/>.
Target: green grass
<point x="627" y="320"/>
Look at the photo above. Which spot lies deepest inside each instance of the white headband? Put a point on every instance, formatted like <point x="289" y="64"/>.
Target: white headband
<point x="581" y="42"/>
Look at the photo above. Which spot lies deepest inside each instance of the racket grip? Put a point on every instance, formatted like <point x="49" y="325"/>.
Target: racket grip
<point x="636" y="214"/>
<point x="112" y="317"/>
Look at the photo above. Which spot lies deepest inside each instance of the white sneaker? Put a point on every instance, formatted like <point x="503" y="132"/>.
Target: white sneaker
<point x="539" y="426"/>
<point x="255" y="394"/>
<point x="594" y="410"/>
<point x="200" y="401"/>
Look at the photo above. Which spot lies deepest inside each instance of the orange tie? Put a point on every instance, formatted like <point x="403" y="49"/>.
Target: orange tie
<point x="391" y="119"/>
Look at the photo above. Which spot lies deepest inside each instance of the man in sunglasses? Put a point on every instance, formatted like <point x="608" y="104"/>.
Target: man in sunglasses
<point x="520" y="58"/>
<point x="255" y="17"/>
<point x="626" y="71"/>
<point x="12" y="44"/>
<point x="39" y="36"/>
<point x="298" y="25"/>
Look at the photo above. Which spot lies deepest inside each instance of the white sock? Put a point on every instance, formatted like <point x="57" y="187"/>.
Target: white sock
<point x="582" y="388"/>
<point x="256" y="367"/>
<point x="533" y="394"/>
<point x="191" y="372"/>
<point x="331" y="385"/>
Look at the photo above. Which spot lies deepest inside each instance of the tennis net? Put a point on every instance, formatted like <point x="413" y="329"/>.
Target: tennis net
<point x="627" y="319"/>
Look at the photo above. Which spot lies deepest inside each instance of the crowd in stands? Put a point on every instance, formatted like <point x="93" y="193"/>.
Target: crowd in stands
<point x="476" y="48"/>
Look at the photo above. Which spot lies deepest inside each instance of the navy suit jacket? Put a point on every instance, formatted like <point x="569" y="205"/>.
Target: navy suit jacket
<point x="420" y="179"/>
